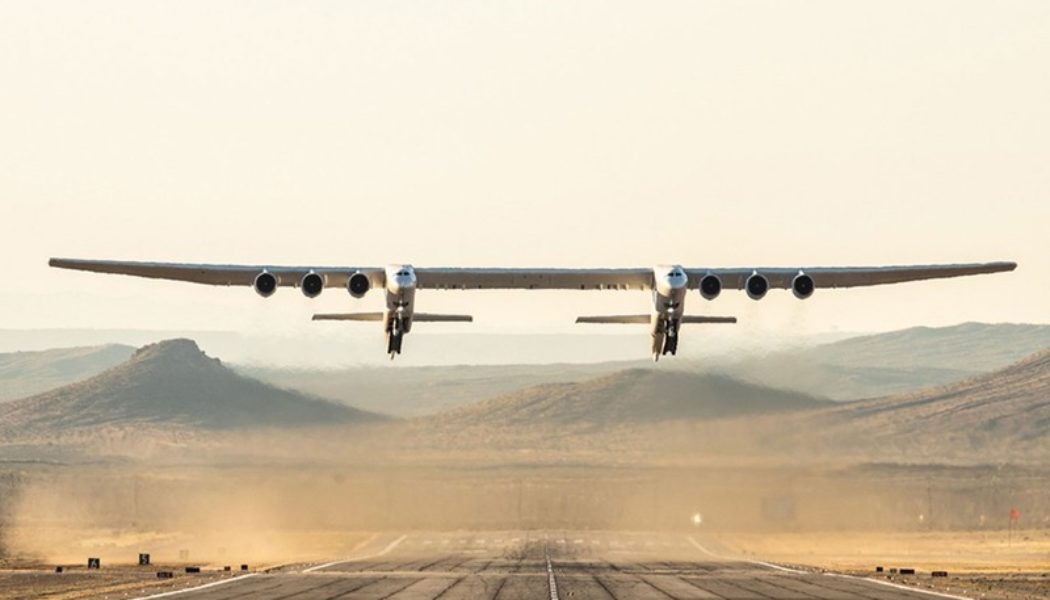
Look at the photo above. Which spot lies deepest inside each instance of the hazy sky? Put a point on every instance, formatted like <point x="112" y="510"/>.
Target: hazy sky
<point x="523" y="134"/>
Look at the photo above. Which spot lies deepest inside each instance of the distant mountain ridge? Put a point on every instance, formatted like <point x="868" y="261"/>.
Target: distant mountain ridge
<point x="855" y="368"/>
<point x="974" y="347"/>
<point x="895" y="362"/>
<point x="23" y="374"/>
<point x="996" y="414"/>
<point x="630" y="397"/>
<point x="171" y="383"/>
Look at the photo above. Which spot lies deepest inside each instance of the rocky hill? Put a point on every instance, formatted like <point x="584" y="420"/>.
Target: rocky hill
<point x="894" y="362"/>
<point x="631" y="397"/>
<point x="170" y="384"/>
<point x="23" y="374"/>
<point x="1004" y="415"/>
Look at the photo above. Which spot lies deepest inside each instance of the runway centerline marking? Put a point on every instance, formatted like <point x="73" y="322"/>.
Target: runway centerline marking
<point x="383" y="552"/>
<point x="552" y="583"/>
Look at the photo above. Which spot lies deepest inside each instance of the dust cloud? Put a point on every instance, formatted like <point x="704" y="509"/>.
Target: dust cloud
<point x="222" y="513"/>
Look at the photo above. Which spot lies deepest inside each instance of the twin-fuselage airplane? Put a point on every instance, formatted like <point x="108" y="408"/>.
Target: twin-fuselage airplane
<point x="668" y="284"/>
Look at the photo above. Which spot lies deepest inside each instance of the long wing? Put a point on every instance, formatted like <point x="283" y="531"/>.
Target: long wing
<point x="525" y="278"/>
<point x="219" y="274"/>
<point x="426" y="277"/>
<point x="845" y="277"/>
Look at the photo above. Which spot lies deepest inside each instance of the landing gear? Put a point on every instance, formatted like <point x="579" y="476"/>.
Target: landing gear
<point x="393" y="343"/>
<point x="394" y="336"/>
<point x="665" y="339"/>
<point x="670" y="337"/>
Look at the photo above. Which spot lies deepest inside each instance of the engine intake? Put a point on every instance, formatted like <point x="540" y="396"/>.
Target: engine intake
<point x="358" y="285"/>
<point x="265" y="284"/>
<point x="757" y="285"/>
<point x="710" y="286"/>
<point x="802" y="286"/>
<point x="312" y="285"/>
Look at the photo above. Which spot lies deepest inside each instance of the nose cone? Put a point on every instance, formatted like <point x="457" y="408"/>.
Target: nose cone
<point x="400" y="279"/>
<point x="671" y="280"/>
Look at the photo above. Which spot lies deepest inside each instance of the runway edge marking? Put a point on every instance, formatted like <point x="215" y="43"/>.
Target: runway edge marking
<point x="898" y="586"/>
<point x="701" y="548"/>
<point x="383" y="552"/>
<point x="197" y="588"/>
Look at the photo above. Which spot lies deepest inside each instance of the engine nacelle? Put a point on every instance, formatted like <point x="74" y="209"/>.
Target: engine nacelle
<point x="358" y="285"/>
<point x="710" y="286"/>
<point x="312" y="284"/>
<point x="756" y="285"/>
<point x="802" y="286"/>
<point x="265" y="284"/>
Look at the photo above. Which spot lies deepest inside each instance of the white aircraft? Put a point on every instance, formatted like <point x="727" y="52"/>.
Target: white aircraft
<point x="667" y="283"/>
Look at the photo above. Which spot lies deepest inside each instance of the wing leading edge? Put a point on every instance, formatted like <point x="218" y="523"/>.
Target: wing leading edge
<point x="847" y="277"/>
<point x="526" y="278"/>
<point x="220" y="274"/>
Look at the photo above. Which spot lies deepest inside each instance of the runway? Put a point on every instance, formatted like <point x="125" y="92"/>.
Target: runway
<point x="553" y="565"/>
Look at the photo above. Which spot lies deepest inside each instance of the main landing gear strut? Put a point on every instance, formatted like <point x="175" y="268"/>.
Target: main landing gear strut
<point x="670" y="337"/>
<point x="665" y="338"/>
<point x="394" y="336"/>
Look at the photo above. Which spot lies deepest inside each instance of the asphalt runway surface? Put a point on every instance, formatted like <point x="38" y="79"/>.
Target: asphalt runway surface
<point x="534" y="566"/>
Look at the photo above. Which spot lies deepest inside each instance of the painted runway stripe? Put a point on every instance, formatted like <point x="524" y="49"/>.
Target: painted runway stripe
<point x="197" y="588"/>
<point x="701" y="548"/>
<point x="552" y="583"/>
<point x="898" y="586"/>
<point x="382" y="552"/>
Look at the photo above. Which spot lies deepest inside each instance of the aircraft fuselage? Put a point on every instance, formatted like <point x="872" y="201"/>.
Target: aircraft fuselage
<point x="400" y="301"/>
<point x="670" y="285"/>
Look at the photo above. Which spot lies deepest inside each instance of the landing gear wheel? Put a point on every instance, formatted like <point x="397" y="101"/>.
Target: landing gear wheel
<point x="394" y="338"/>
<point x="670" y="337"/>
<point x="670" y="344"/>
<point x="393" y="343"/>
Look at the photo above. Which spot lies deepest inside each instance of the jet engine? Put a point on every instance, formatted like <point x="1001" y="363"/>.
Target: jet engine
<point x="802" y="286"/>
<point x="710" y="286"/>
<point x="757" y="285"/>
<point x="358" y="285"/>
<point x="312" y="285"/>
<point x="265" y="284"/>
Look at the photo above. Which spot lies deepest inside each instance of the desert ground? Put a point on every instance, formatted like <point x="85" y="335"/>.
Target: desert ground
<point x="617" y="481"/>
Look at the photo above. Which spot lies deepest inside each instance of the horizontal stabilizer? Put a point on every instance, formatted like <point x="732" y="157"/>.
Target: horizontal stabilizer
<point x="432" y="318"/>
<point x="688" y="319"/>
<point x="646" y="319"/>
<point x="617" y="319"/>
<point x="378" y="316"/>
<point x="369" y="316"/>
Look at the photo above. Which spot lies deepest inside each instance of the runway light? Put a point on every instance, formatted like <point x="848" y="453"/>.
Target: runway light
<point x="698" y="519"/>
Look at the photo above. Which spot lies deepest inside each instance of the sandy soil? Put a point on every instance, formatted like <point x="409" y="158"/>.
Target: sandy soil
<point x="113" y="582"/>
<point x="991" y="564"/>
<point x="975" y="551"/>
